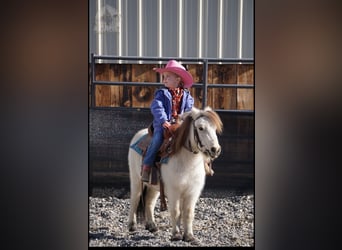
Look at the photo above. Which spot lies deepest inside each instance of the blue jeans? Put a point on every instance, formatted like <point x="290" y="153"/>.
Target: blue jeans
<point x="157" y="140"/>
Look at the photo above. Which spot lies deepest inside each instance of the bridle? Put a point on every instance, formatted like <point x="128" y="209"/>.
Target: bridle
<point x="194" y="143"/>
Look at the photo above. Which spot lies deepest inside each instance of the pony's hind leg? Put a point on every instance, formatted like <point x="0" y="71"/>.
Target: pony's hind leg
<point x="136" y="192"/>
<point x="150" y="203"/>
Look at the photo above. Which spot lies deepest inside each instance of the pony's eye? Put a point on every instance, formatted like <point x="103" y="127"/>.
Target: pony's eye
<point x="201" y="128"/>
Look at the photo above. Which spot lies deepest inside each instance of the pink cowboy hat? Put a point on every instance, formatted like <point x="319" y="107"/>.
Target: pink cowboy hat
<point x="175" y="67"/>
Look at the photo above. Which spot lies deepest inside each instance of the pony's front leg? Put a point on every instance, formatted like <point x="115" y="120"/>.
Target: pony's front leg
<point x="188" y="218"/>
<point x="174" y="208"/>
<point x="150" y="203"/>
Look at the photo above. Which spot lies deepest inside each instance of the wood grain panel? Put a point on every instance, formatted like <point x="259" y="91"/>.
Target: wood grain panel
<point x="143" y="96"/>
<point x="197" y="74"/>
<point x="245" y="96"/>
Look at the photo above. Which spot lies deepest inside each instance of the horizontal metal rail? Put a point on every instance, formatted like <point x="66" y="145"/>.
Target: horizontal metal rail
<point x="198" y="85"/>
<point x="182" y="59"/>
<point x="204" y="85"/>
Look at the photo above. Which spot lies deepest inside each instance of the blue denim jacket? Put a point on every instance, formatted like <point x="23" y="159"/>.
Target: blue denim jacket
<point x="162" y="104"/>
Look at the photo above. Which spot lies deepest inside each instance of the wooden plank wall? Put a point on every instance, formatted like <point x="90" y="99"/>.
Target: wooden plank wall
<point x="138" y="97"/>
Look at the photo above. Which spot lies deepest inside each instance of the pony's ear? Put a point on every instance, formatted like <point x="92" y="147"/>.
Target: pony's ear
<point x="195" y="113"/>
<point x="185" y="115"/>
<point x="207" y="108"/>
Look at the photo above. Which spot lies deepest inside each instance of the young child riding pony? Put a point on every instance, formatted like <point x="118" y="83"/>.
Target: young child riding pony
<point x="169" y="101"/>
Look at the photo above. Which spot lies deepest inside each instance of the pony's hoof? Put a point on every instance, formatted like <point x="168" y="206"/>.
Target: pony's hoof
<point x="176" y="236"/>
<point x="191" y="239"/>
<point x="195" y="242"/>
<point x="132" y="227"/>
<point x="151" y="227"/>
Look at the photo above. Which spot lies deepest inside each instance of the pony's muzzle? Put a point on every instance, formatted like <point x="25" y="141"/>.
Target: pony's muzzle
<point x="215" y="151"/>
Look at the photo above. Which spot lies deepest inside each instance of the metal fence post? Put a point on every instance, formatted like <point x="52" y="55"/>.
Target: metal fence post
<point x="92" y="79"/>
<point x="205" y="85"/>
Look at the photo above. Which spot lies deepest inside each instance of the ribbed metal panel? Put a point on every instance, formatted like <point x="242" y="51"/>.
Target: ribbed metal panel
<point x="172" y="28"/>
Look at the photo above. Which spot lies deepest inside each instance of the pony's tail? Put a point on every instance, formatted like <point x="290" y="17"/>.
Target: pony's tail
<point x="141" y="206"/>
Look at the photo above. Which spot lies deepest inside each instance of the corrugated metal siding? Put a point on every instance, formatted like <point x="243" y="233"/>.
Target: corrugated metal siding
<point x="172" y="28"/>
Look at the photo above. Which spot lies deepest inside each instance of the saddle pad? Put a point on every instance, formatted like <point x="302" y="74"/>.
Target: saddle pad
<point x="141" y="144"/>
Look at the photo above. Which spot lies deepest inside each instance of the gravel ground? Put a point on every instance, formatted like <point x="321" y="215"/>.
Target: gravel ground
<point x="221" y="219"/>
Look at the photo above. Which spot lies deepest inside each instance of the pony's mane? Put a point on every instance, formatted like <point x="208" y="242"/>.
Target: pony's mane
<point x="215" y="119"/>
<point x="183" y="130"/>
<point x="181" y="134"/>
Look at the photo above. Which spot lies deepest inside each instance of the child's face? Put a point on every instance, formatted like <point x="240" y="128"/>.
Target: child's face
<point x="171" y="80"/>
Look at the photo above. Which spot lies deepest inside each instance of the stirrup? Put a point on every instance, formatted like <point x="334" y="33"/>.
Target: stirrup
<point x="145" y="177"/>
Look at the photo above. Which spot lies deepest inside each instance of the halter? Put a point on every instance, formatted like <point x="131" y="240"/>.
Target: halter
<point x="193" y="140"/>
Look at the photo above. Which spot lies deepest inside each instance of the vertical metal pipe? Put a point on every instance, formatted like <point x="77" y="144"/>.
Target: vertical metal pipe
<point x="160" y="30"/>
<point x="92" y="79"/>
<point x="240" y="28"/>
<point x="140" y="32"/>
<point x="180" y="27"/>
<point x="200" y="27"/>
<point x="99" y="23"/>
<point x="205" y="83"/>
<point x="220" y="28"/>
<point x="120" y="28"/>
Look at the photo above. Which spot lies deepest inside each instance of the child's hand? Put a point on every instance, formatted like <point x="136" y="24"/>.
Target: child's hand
<point x="166" y="124"/>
